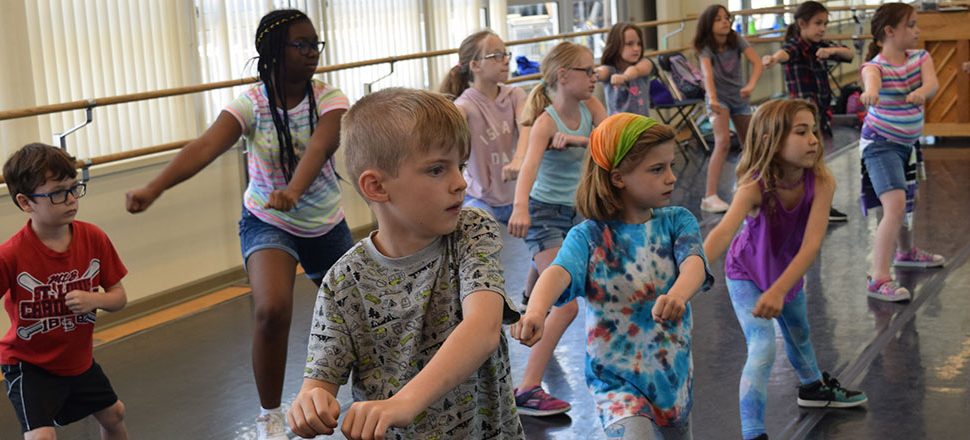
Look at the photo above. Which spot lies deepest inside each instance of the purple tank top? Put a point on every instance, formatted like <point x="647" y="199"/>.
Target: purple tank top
<point x="769" y="241"/>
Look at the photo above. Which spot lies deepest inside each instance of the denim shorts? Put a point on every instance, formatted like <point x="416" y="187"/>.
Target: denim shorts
<point x="315" y="254"/>
<point x="886" y="162"/>
<point x="549" y="225"/>
<point x="742" y="108"/>
<point x="500" y="213"/>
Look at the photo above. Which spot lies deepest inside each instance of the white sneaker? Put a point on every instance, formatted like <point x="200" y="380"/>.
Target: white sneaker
<point x="271" y="426"/>
<point x="714" y="204"/>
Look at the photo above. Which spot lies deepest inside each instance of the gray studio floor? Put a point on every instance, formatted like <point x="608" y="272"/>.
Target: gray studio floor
<point x="191" y="379"/>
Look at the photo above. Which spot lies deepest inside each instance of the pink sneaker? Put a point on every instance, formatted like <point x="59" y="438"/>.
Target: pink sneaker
<point x="887" y="290"/>
<point x="537" y="403"/>
<point x="917" y="257"/>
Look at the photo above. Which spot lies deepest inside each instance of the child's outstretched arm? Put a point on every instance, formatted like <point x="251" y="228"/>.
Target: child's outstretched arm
<point x="871" y="82"/>
<point x="671" y="306"/>
<point x="463" y="352"/>
<point x="192" y="158"/>
<point x="550" y="286"/>
<point x="642" y="68"/>
<point x="707" y="68"/>
<point x="835" y="52"/>
<point x="930" y="84"/>
<point x="319" y="149"/>
<point x="315" y="410"/>
<point x="747" y="198"/>
<point x="113" y="299"/>
<point x="511" y="170"/>
<point x="773" y="299"/>
<point x="539" y="137"/>
<point x="756" y="69"/>
<point x="781" y="56"/>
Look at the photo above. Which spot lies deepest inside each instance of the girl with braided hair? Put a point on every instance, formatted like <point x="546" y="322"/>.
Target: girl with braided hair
<point x="291" y="208"/>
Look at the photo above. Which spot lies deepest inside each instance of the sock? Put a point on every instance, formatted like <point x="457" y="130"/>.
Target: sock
<point x="264" y="411"/>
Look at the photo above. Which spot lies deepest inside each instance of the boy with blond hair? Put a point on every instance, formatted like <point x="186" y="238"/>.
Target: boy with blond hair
<point x="50" y="273"/>
<point x="415" y="310"/>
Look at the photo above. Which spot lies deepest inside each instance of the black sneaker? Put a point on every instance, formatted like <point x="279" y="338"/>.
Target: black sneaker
<point x="763" y="436"/>
<point x="837" y="216"/>
<point x="827" y="393"/>
<point x="525" y="298"/>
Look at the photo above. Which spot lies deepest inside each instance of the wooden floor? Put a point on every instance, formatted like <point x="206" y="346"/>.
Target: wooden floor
<point x="185" y="373"/>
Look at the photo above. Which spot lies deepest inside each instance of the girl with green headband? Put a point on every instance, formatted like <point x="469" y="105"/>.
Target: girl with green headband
<point x="637" y="262"/>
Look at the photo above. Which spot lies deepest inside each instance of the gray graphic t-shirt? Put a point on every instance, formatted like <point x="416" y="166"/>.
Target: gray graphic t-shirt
<point x="383" y="319"/>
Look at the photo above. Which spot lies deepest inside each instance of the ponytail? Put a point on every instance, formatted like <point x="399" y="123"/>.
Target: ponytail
<point x="535" y="104"/>
<point x="459" y="77"/>
<point x="874" y="49"/>
<point x="456" y="81"/>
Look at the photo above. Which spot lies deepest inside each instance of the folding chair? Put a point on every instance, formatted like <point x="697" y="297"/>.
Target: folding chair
<point x="680" y="112"/>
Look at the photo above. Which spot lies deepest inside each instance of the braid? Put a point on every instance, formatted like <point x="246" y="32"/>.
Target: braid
<point x="270" y="44"/>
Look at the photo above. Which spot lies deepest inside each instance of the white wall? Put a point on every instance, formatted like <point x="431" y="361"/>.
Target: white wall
<point x="189" y="234"/>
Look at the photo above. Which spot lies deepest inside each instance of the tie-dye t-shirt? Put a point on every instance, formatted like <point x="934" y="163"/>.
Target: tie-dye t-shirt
<point x="634" y="366"/>
<point x="318" y="210"/>
<point x="383" y="319"/>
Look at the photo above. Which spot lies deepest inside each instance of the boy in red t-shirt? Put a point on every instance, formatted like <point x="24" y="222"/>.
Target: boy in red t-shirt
<point x="50" y="272"/>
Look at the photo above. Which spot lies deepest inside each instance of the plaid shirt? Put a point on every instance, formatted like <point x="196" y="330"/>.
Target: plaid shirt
<point x="806" y="75"/>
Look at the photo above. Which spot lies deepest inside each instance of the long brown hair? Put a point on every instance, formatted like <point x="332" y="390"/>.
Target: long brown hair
<point x="889" y="14"/>
<point x="769" y="129"/>
<point x="563" y="56"/>
<point x="596" y="197"/>
<point x="460" y="75"/>
<point x="704" y="36"/>
<point x="804" y="12"/>
<point x="612" y="53"/>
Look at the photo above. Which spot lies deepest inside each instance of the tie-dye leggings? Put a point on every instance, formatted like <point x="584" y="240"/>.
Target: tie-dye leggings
<point x="760" y="336"/>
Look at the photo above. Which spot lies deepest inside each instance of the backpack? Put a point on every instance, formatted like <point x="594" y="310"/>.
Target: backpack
<point x="683" y="74"/>
<point x="659" y="95"/>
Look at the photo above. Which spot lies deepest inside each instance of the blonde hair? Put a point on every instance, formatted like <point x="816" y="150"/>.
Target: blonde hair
<point x="461" y="75"/>
<point x="596" y="197"/>
<point x="564" y="56"/>
<point x="769" y="129"/>
<point x="383" y="128"/>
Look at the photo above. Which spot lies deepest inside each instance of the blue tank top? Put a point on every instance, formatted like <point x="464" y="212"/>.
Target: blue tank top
<point x="769" y="241"/>
<point x="559" y="170"/>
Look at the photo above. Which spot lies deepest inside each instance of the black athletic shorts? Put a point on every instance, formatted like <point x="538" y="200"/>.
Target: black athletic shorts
<point x="43" y="399"/>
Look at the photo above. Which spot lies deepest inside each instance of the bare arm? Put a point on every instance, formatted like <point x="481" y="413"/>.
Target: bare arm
<point x="746" y="199"/>
<point x="931" y="84"/>
<point x="756" y="69"/>
<point x="673" y="305"/>
<point x="191" y="159"/>
<point x="113" y="299"/>
<point x="539" y="137"/>
<point x="781" y="56"/>
<point x="597" y="111"/>
<point x="511" y="170"/>
<point x="707" y="68"/>
<point x="550" y="286"/>
<point x="872" y="82"/>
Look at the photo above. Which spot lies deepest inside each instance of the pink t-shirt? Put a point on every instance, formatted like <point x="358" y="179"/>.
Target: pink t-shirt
<point x="494" y="134"/>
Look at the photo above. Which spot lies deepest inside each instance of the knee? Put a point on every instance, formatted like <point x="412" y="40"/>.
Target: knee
<point x="761" y="355"/>
<point x="112" y="416"/>
<point x="272" y="315"/>
<point x="45" y="433"/>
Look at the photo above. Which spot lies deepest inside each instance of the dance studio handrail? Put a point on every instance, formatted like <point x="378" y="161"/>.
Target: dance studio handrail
<point x="130" y="154"/>
<point x="142" y="96"/>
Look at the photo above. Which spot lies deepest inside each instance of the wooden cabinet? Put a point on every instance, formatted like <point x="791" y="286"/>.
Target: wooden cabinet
<point x="946" y="36"/>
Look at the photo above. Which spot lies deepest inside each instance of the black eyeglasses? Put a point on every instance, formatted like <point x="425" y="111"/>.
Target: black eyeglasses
<point x="501" y="56"/>
<point x="60" y="196"/>
<point x="304" y="47"/>
<point x="589" y="71"/>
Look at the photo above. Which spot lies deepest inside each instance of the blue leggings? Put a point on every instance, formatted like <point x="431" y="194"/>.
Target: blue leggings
<point x="760" y="336"/>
